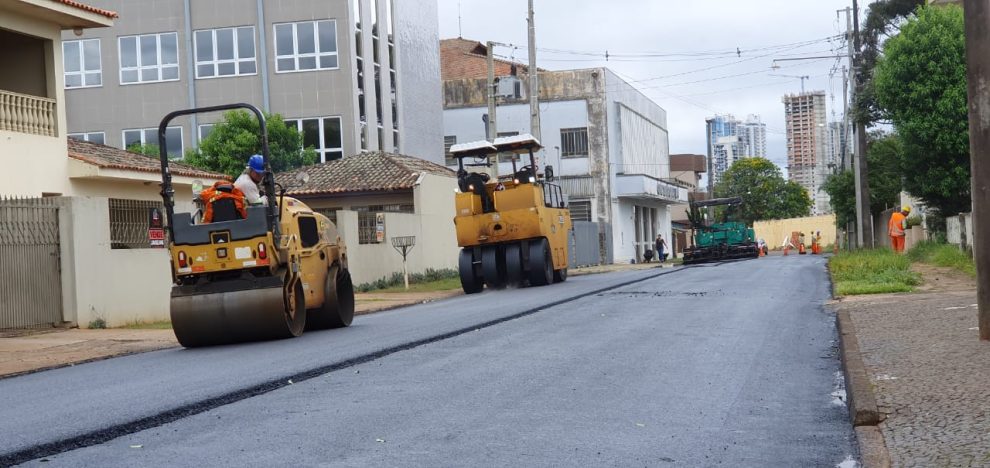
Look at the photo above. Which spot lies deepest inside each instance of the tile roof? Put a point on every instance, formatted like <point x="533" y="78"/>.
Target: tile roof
<point x="466" y="59"/>
<point x="91" y="9"/>
<point x="367" y="172"/>
<point x="108" y="157"/>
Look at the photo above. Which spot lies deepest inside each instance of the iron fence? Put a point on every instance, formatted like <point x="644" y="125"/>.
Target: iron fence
<point x="129" y="222"/>
<point x="30" y="271"/>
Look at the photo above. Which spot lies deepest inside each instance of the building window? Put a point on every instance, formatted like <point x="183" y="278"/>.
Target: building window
<point x="580" y="210"/>
<point x="225" y="52"/>
<point x="322" y="134"/>
<point x="81" y="61"/>
<point x="129" y="223"/>
<point x="92" y="137"/>
<point x="574" y="142"/>
<point x="449" y="141"/>
<point x="149" y="136"/>
<point x="205" y="130"/>
<point x="308" y="45"/>
<point x="149" y="58"/>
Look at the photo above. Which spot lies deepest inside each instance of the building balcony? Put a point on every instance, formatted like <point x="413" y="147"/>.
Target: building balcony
<point x="24" y="113"/>
<point x="644" y="187"/>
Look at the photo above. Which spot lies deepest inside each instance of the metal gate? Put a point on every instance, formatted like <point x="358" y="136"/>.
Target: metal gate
<point x="590" y="244"/>
<point x="30" y="283"/>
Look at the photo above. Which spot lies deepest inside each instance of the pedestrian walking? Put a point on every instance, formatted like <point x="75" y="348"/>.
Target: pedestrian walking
<point x="661" y="246"/>
<point x="896" y="228"/>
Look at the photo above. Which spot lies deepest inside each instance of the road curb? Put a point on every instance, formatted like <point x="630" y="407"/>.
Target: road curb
<point x="862" y="404"/>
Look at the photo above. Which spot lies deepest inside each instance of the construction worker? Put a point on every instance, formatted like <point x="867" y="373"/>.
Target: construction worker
<point x="896" y="228"/>
<point x="249" y="182"/>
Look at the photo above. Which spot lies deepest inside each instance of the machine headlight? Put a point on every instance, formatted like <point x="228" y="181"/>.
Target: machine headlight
<point x="532" y="179"/>
<point x="471" y="187"/>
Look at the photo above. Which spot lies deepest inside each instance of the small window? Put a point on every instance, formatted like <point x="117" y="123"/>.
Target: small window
<point x="225" y="52"/>
<point x="449" y="141"/>
<point x="580" y="210"/>
<point x="304" y="46"/>
<point x="205" y="130"/>
<point x="92" y="137"/>
<point x="150" y="58"/>
<point x="149" y="136"/>
<point x="81" y="61"/>
<point x="309" y="233"/>
<point x="574" y="142"/>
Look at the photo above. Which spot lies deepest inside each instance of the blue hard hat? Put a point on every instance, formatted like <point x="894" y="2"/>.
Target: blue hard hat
<point x="257" y="163"/>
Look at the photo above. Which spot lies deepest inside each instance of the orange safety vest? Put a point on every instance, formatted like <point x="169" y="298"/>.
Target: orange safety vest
<point x="219" y="191"/>
<point x="896" y="225"/>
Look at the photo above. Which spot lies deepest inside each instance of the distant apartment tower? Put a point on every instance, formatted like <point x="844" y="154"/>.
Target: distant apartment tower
<point x="838" y="150"/>
<point x="730" y="139"/>
<point x="352" y="75"/>
<point x="807" y="163"/>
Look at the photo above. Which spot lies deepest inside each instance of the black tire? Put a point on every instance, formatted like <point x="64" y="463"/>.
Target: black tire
<point x="540" y="264"/>
<point x="337" y="310"/>
<point x="493" y="267"/>
<point x="559" y="276"/>
<point x="513" y="264"/>
<point x="295" y="311"/>
<point x="470" y="281"/>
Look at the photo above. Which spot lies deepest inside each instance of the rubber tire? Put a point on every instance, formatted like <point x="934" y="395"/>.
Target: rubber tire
<point x="513" y="265"/>
<point x="493" y="267"/>
<point x="559" y="276"/>
<point x="337" y="310"/>
<point x="540" y="264"/>
<point x="470" y="282"/>
<point x="295" y="323"/>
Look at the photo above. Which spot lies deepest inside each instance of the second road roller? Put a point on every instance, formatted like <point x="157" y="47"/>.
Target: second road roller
<point x="513" y="230"/>
<point x="251" y="272"/>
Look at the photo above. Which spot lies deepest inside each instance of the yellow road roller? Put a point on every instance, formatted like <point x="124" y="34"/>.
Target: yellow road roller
<point x="251" y="273"/>
<point x="513" y="230"/>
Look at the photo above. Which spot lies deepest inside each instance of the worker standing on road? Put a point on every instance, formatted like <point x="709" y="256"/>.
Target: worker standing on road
<point x="250" y="180"/>
<point x="897" y="227"/>
<point x="661" y="246"/>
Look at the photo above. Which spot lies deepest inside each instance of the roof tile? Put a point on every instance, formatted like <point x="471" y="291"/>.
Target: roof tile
<point x="91" y="9"/>
<point x="108" y="157"/>
<point x="367" y="172"/>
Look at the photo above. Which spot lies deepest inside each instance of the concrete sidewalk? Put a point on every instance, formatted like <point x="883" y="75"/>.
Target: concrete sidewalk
<point x="927" y="370"/>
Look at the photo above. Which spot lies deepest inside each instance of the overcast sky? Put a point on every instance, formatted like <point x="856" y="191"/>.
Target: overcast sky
<point x="679" y="38"/>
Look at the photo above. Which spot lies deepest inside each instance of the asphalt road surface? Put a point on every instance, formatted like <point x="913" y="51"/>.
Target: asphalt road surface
<point x="732" y="364"/>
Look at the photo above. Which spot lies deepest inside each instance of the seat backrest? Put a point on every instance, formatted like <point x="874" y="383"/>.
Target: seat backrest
<point x="225" y="209"/>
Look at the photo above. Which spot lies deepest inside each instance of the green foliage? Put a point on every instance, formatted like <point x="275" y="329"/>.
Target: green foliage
<point x="884" y="160"/>
<point x="920" y="83"/>
<point x="913" y="221"/>
<point x="765" y="192"/>
<point x="943" y="255"/>
<point x="237" y="137"/>
<point x="872" y="272"/>
<point x="149" y="150"/>
<point x="98" y="323"/>
<point x="441" y="276"/>
<point x="883" y="18"/>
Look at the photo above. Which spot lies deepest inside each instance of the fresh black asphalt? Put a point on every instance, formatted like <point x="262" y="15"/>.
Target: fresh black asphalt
<point x="731" y="364"/>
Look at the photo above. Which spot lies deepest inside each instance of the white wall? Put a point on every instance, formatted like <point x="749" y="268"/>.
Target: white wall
<point x="624" y="227"/>
<point x="118" y="286"/>
<point x="466" y="125"/>
<point x="419" y="87"/>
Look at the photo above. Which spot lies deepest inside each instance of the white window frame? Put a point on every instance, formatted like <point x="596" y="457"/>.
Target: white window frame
<point x="154" y="141"/>
<point x="322" y="151"/>
<point x="87" y="136"/>
<point x="82" y="64"/>
<point x="139" y="68"/>
<point x="295" y="46"/>
<point x="199" y="130"/>
<point x="216" y="62"/>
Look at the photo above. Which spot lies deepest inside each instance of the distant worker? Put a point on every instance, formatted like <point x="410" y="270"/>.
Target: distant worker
<point x="661" y="246"/>
<point x="249" y="182"/>
<point x="896" y="228"/>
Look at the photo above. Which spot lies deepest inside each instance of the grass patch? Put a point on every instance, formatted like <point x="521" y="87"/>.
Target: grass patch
<point x="136" y="325"/>
<point x="438" y="285"/>
<point x="430" y="279"/>
<point x="943" y="255"/>
<point x="872" y="272"/>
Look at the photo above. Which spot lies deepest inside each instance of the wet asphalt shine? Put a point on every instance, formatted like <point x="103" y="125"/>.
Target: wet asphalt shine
<point x="730" y="364"/>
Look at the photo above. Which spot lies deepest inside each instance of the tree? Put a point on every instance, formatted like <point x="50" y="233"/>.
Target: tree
<point x="883" y="18"/>
<point x="920" y="83"/>
<point x="237" y="137"/>
<point x="150" y="150"/>
<point x="765" y="193"/>
<point x="884" y="159"/>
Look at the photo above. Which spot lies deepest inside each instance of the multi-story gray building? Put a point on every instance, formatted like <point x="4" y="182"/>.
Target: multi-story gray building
<point x="806" y="145"/>
<point x="731" y="139"/>
<point x="353" y="75"/>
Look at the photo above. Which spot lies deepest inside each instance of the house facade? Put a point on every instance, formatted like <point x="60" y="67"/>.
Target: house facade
<point x="607" y="142"/>
<point x="351" y="75"/>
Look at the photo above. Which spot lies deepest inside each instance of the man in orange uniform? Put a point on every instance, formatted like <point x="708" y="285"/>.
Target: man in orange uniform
<point x="896" y="227"/>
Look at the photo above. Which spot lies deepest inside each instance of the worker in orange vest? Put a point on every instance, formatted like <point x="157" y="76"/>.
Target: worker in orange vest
<point x="896" y="228"/>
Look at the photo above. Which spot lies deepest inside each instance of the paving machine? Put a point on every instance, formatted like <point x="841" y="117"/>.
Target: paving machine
<point x="256" y="272"/>
<point x="514" y="229"/>
<point x="720" y="240"/>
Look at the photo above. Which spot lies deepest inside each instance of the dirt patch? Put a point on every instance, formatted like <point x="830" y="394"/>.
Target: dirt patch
<point x="939" y="279"/>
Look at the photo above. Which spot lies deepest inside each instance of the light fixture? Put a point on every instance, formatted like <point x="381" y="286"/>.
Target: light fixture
<point x="77" y="31"/>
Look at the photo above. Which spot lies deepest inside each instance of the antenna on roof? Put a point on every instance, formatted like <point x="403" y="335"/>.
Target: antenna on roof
<point x="460" y="34"/>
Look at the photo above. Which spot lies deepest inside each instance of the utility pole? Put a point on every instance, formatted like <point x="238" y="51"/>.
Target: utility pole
<point x="977" y="20"/>
<point x="534" y="83"/>
<point x="864" y="218"/>
<point x="492" y="129"/>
